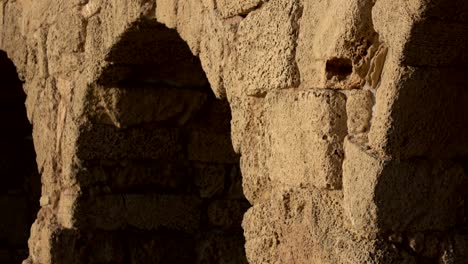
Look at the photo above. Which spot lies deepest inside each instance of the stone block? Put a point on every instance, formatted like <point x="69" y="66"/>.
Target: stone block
<point x="417" y="112"/>
<point x="437" y="43"/>
<point x="399" y="195"/>
<point x="264" y="57"/>
<point x="248" y="119"/>
<point x="298" y="225"/>
<point x="359" y="105"/>
<point x="142" y="211"/>
<point x="131" y="176"/>
<point x="218" y="35"/>
<point x="145" y="175"/>
<point x="108" y="142"/>
<point x="166" y="12"/>
<point x="190" y="23"/>
<point x="424" y="33"/>
<point x="147" y="103"/>
<point x="64" y="41"/>
<point x="305" y="130"/>
<point x="336" y="44"/>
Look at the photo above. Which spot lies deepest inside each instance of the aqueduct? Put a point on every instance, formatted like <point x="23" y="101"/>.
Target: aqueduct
<point x="216" y="131"/>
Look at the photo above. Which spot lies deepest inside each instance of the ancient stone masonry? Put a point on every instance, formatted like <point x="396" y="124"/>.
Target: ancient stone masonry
<point x="259" y="131"/>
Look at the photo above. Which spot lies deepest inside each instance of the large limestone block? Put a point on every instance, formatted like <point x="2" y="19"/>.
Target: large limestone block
<point x="417" y="112"/>
<point x="264" y="50"/>
<point x="125" y="175"/>
<point x="336" y="44"/>
<point x="142" y="211"/>
<point x="118" y="16"/>
<point x="437" y="43"/>
<point x="215" y="49"/>
<point x="131" y="106"/>
<point x="394" y="195"/>
<point x="166" y="12"/>
<point x="248" y="138"/>
<point x="63" y="49"/>
<point x="425" y="33"/>
<point x="190" y="23"/>
<point x="306" y="226"/>
<point x="359" y="105"/>
<point x="305" y="130"/>
<point x="108" y="142"/>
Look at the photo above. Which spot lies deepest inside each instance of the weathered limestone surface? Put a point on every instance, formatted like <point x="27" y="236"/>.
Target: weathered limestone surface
<point x="342" y="122"/>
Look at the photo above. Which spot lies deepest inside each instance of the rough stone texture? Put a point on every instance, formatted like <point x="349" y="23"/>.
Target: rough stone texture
<point x="299" y="122"/>
<point x="374" y="202"/>
<point x="342" y="122"/>
<point x="265" y="48"/>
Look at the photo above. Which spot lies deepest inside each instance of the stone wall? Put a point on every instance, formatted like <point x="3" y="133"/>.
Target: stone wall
<point x="349" y="118"/>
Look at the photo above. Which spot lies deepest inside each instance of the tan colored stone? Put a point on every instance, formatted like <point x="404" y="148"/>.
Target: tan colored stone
<point x="233" y="8"/>
<point x="131" y="106"/>
<point x="306" y="226"/>
<point x="410" y="102"/>
<point x="374" y="202"/>
<point x="336" y="43"/>
<point x="401" y="165"/>
<point x="166" y="12"/>
<point x="248" y="118"/>
<point x="189" y="23"/>
<point x="305" y="134"/>
<point x="264" y="53"/>
<point x="359" y="105"/>
<point x="418" y="30"/>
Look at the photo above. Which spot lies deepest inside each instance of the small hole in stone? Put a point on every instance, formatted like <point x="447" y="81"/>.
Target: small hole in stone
<point x="340" y="68"/>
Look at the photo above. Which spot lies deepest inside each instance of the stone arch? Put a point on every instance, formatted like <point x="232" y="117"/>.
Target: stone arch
<point x="159" y="180"/>
<point x="20" y="188"/>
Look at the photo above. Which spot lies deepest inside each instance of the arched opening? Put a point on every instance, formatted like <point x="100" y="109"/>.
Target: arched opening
<point x="20" y="181"/>
<point x="160" y="181"/>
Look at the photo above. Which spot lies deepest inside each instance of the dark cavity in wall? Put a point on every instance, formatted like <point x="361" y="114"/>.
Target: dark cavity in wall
<point x="339" y="68"/>
<point x="160" y="181"/>
<point x="20" y="180"/>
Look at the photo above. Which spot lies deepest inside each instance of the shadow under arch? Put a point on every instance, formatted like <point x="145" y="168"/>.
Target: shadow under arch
<point x="160" y="181"/>
<point x="20" y="181"/>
